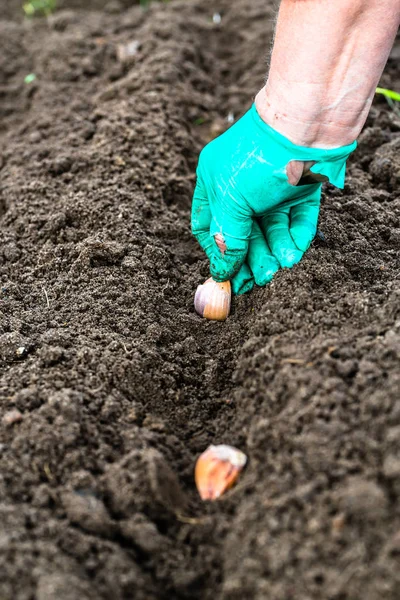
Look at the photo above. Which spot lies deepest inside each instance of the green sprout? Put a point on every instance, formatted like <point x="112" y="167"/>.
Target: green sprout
<point x="388" y="93"/>
<point x="39" y="8"/>
<point x="391" y="98"/>
<point x="30" y="78"/>
<point x="146" y="3"/>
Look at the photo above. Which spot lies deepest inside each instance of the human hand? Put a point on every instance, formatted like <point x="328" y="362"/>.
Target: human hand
<point x="247" y="215"/>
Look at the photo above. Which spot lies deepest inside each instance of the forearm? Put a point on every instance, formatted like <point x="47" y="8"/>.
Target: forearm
<point x="326" y="61"/>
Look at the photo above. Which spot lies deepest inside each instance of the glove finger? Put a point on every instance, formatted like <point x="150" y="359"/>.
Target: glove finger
<point x="276" y="230"/>
<point x="233" y="226"/>
<point x="226" y="266"/>
<point x="201" y="218"/>
<point x="223" y="265"/>
<point x="243" y="281"/>
<point x="303" y="223"/>
<point x="259" y="257"/>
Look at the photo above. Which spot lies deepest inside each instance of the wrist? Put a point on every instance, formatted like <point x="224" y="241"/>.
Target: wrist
<point x="301" y="115"/>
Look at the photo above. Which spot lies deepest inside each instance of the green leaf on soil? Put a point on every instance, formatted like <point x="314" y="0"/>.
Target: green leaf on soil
<point x="39" y="8"/>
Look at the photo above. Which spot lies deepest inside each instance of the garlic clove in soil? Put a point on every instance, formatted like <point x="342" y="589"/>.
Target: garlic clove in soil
<point x="213" y="300"/>
<point x="217" y="469"/>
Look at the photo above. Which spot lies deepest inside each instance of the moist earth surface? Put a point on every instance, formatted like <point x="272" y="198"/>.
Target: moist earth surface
<point x="111" y="385"/>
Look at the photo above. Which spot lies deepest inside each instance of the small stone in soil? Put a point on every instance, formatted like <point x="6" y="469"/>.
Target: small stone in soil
<point x="11" y="417"/>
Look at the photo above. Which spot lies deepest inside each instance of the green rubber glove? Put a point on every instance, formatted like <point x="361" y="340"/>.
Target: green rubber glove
<point x="243" y="194"/>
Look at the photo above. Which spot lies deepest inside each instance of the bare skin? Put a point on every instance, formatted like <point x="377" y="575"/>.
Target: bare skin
<point x="326" y="62"/>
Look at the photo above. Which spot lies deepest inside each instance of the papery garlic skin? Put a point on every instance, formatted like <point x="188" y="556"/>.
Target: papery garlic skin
<point x="213" y="300"/>
<point x="217" y="469"/>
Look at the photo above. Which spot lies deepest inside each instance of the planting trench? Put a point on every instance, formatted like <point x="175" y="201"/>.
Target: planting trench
<point x="119" y="385"/>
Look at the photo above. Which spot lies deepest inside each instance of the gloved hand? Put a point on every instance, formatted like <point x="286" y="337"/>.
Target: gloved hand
<point x="243" y="194"/>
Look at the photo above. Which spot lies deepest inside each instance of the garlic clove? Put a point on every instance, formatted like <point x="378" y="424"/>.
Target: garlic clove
<point x="213" y="300"/>
<point x="217" y="469"/>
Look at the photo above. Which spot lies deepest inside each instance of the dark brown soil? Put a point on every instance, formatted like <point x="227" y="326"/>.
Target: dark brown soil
<point x="117" y="386"/>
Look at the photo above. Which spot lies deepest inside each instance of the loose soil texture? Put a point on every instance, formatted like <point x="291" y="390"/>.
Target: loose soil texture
<point x="111" y="385"/>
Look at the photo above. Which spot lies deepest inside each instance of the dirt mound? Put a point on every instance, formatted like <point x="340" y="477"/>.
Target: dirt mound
<point x="116" y="385"/>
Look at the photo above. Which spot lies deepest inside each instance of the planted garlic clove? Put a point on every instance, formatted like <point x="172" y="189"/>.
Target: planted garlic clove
<point x="213" y="300"/>
<point x="217" y="469"/>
